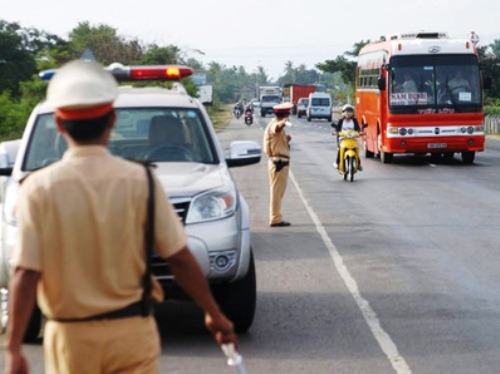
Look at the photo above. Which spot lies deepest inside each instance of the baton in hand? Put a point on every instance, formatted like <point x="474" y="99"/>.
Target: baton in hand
<point x="234" y="359"/>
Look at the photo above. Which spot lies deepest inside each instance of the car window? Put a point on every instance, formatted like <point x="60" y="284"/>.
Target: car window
<point x="142" y="134"/>
<point x="320" y="101"/>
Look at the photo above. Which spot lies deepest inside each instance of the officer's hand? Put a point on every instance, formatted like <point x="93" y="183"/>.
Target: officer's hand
<point x="15" y="363"/>
<point x="222" y="329"/>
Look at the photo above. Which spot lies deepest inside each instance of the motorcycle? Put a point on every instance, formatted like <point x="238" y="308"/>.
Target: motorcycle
<point x="248" y="118"/>
<point x="237" y="113"/>
<point x="349" y="160"/>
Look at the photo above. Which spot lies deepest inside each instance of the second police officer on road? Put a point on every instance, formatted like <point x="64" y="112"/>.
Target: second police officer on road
<point x="277" y="149"/>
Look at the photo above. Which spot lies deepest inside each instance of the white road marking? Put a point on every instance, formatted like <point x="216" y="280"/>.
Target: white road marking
<point x="384" y="340"/>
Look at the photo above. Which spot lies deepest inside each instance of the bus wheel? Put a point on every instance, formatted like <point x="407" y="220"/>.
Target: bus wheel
<point x="468" y="157"/>
<point x="386" y="157"/>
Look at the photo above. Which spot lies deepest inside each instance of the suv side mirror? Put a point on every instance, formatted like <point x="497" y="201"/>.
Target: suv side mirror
<point x="243" y="152"/>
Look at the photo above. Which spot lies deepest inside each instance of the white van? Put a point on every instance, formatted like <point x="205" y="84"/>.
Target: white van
<point x="320" y="106"/>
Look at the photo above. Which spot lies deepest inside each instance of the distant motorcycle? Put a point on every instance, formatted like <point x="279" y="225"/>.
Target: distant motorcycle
<point x="248" y="117"/>
<point x="237" y="113"/>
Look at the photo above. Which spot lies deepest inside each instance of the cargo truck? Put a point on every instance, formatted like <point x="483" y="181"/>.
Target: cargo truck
<point x="298" y="91"/>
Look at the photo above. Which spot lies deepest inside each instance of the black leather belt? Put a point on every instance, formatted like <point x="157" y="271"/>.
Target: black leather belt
<point x="132" y="310"/>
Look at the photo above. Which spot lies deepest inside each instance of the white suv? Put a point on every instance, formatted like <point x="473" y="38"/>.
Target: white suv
<point x="169" y="128"/>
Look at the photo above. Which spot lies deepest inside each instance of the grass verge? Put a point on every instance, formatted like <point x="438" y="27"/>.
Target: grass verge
<point x="220" y="117"/>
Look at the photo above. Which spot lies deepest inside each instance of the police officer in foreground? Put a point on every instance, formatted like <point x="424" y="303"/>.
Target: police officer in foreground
<point x="277" y="149"/>
<point x="82" y="249"/>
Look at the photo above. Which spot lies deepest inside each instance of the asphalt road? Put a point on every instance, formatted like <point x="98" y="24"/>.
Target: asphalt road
<point x="396" y="272"/>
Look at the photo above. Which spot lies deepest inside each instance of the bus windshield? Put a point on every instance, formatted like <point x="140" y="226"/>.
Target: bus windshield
<point x="439" y="83"/>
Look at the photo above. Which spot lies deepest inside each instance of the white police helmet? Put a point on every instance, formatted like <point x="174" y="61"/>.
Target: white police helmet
<point x="81" y="84"/>
<point x="348" y="107"/>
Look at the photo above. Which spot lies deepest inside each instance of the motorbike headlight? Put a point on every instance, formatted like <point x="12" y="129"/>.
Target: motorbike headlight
<point x="212" y="205"/>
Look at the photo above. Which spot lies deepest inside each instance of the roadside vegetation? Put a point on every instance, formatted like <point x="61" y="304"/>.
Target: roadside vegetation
<point x="24" y="52"/>
<point x="220" y="115"/>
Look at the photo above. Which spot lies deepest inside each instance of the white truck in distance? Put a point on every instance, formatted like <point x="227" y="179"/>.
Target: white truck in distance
<point x="269" y="96"/>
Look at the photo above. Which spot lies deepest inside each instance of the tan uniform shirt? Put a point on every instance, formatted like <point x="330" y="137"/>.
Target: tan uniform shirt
<point x="275" y="143"/>
<point x="81" y="224"/>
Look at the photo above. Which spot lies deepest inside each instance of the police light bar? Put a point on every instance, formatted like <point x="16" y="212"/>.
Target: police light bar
<point x="148" y="72"/>
<point x="134" y="73"/>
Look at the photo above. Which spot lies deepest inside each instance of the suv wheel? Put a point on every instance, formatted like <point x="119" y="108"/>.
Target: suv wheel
<point x="238" y="299"/>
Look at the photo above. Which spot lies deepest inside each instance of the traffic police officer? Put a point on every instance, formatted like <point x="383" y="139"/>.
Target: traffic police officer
<point x="277" y="149"/>
<point x="82" y="248"/>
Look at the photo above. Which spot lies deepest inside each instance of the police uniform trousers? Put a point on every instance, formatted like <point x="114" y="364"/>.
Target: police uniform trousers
<point x="277" y="180"/>
<point x="126" y="345"/>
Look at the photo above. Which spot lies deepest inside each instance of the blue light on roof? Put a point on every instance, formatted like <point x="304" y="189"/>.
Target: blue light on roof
<point x="47" y="74"/>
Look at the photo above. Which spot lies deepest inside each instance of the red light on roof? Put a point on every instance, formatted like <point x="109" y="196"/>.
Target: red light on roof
<point x="164" y="72"/>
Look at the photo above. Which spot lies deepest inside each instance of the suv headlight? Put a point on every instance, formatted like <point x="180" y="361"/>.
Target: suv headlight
<point x="212" y="205"/>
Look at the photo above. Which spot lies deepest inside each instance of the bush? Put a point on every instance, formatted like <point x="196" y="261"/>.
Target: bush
<point x="492" y="110"/>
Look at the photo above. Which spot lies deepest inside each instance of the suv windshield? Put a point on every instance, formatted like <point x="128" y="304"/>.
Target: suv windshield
<point x="445" y="82"/>
<point x="142" y="134"/>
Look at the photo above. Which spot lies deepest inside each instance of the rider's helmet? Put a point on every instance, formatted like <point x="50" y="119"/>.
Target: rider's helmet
<point x="347" y="108"/>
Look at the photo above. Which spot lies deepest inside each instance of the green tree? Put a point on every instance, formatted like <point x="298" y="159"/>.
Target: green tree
<point x="17" y="63"/>
<point x="155" y="55"/>
<point x="489" y="63"/>
<point x="495" y="48"/>
<point x="345" y="65"/>
<point x="105" y="43"/>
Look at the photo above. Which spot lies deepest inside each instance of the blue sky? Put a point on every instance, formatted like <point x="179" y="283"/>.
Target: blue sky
<point x="262" y="32"/>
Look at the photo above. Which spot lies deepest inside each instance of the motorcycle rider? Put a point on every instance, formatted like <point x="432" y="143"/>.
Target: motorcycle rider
<point x="248" y="114"/>
<point x="249" y="110"/>
<point x="238" y="107"/>
<point x="347" y="122"/>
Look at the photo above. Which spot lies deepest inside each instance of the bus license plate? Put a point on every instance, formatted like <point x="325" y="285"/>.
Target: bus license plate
<point x="437" y="145"/>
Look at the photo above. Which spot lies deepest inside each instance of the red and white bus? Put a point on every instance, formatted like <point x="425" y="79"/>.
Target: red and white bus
<point x="420" y="93"/>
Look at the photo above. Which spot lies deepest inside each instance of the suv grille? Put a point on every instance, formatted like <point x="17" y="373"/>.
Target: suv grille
<point x="181" y="208"/>
<point x="159" y="266"/>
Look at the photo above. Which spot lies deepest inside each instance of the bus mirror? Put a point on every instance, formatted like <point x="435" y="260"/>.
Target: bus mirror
<point x="381" y="83"/>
